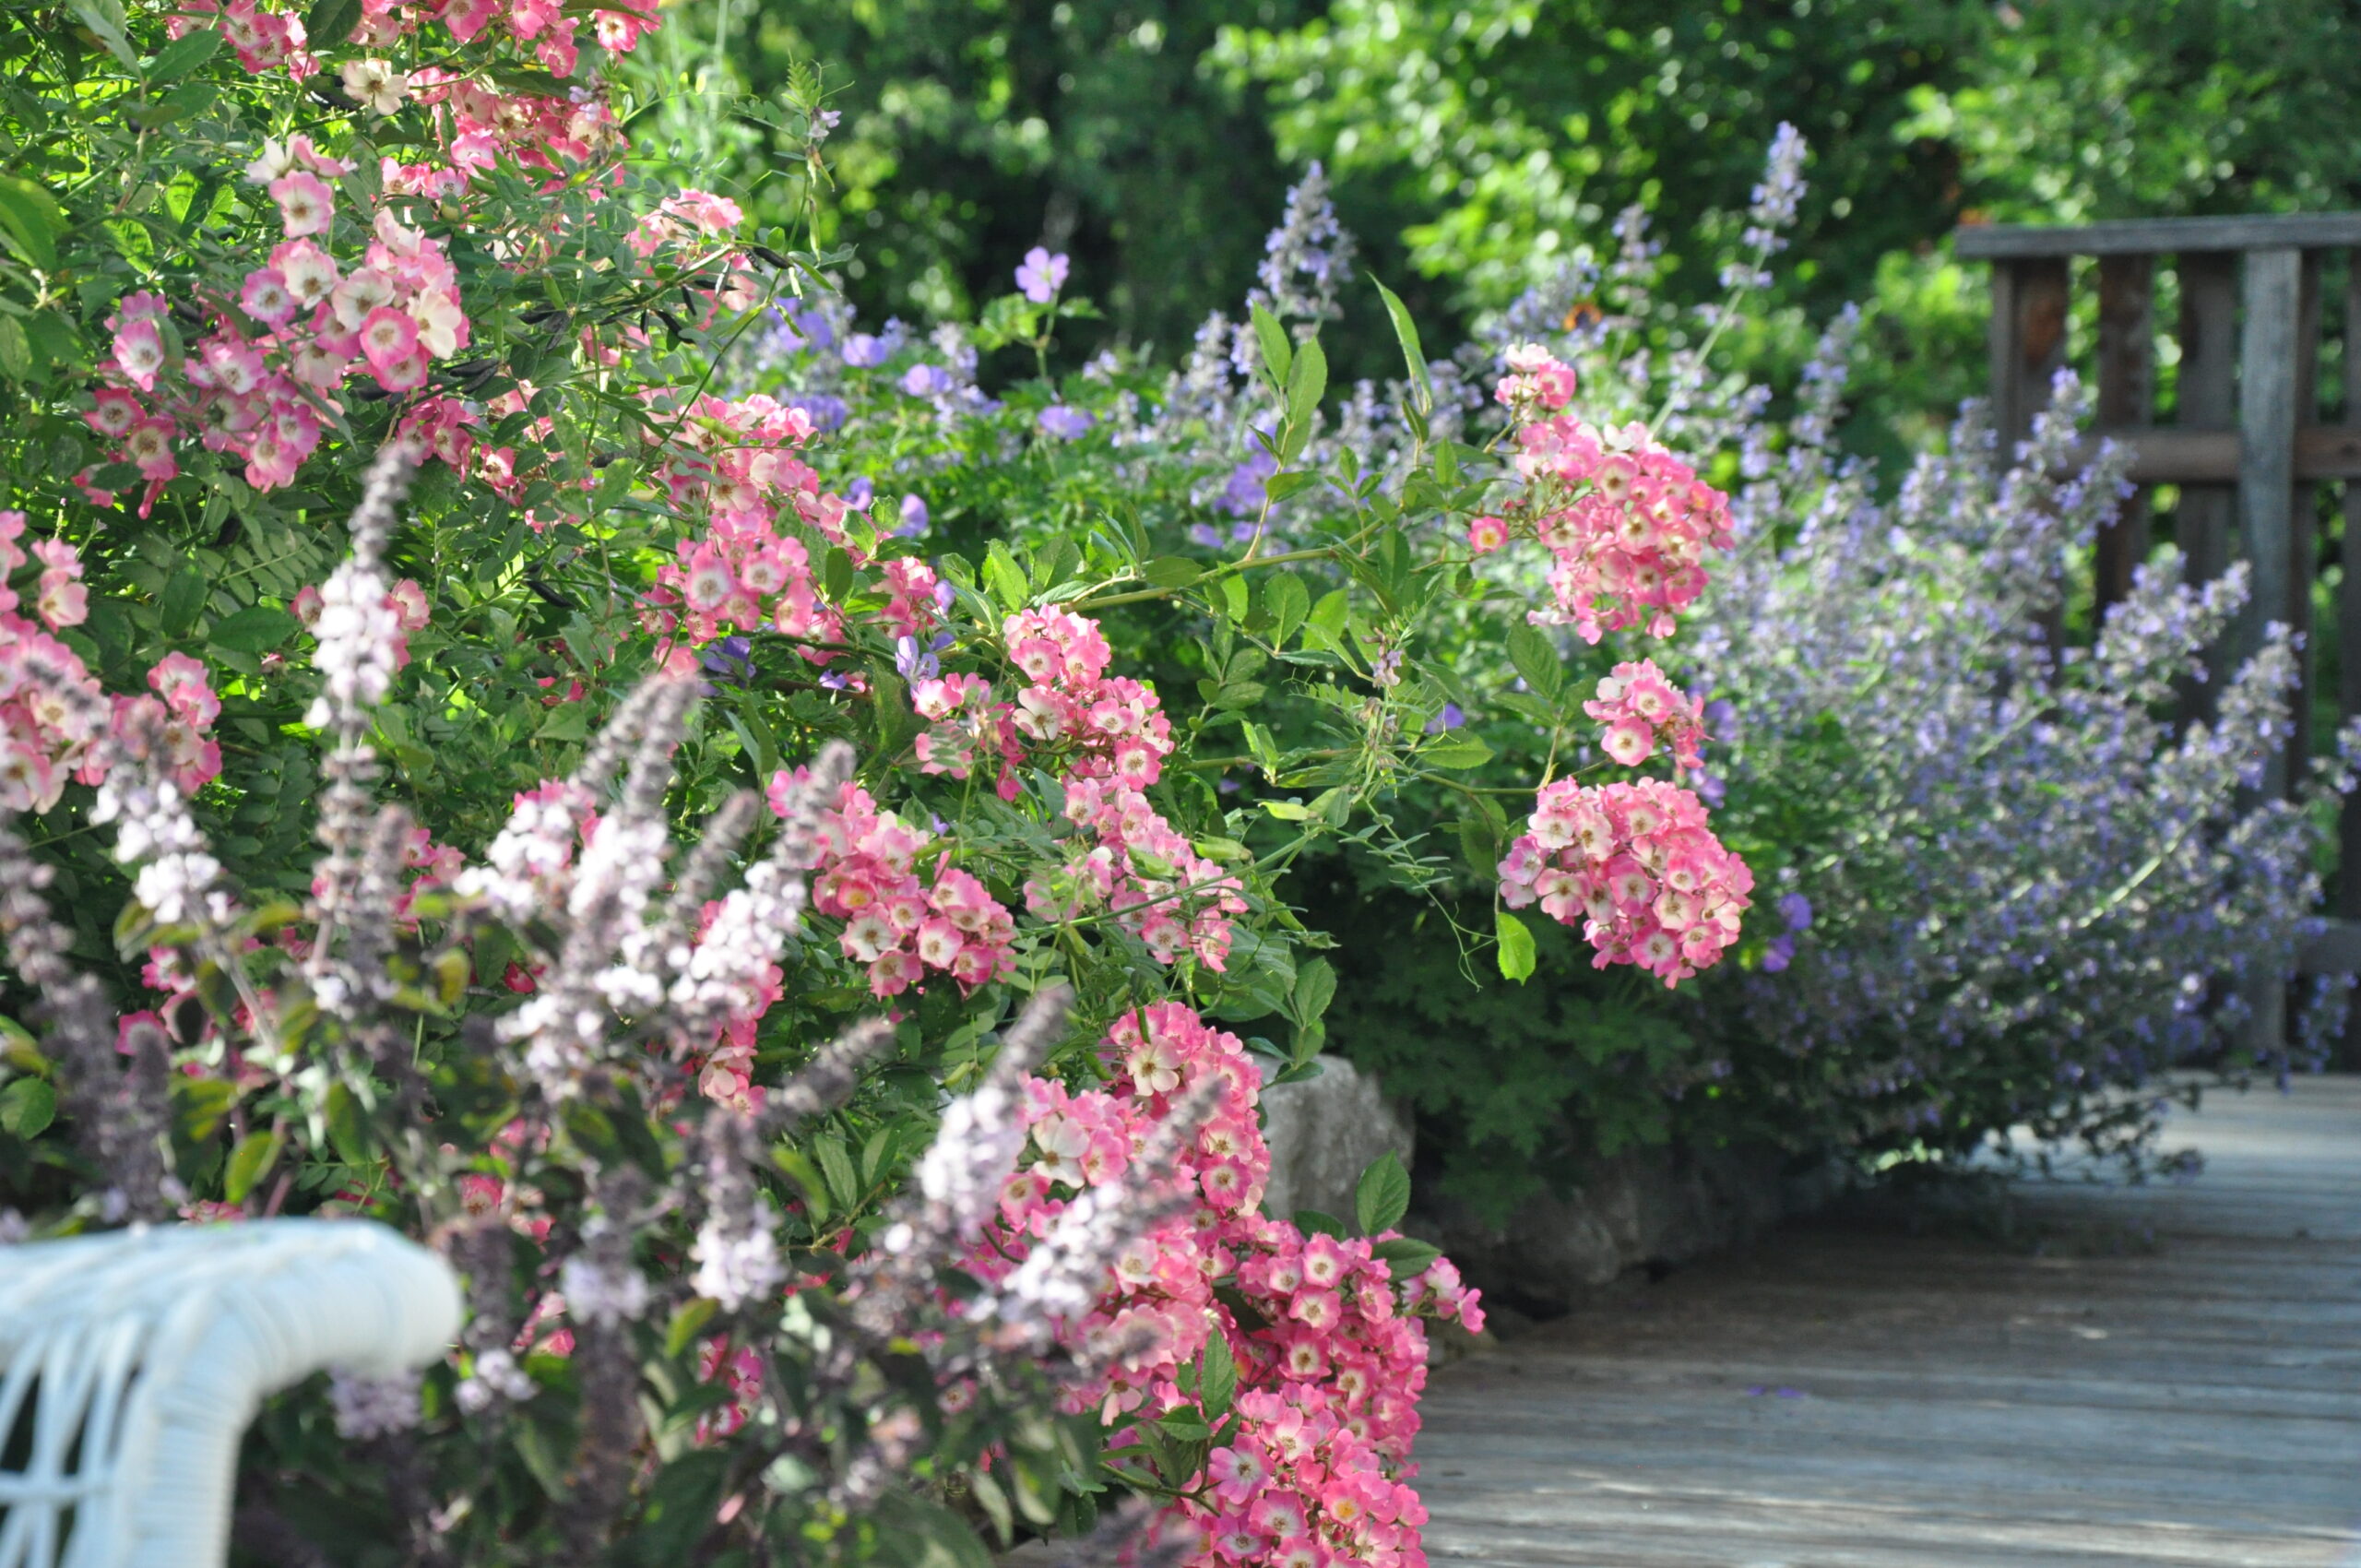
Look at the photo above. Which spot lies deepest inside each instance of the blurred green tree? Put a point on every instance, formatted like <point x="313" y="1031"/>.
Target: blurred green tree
<point x="1476" y="146"/>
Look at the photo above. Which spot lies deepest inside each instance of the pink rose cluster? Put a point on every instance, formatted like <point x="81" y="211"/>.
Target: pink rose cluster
<point x="1638" y="865"/>
<point x="1105" y="737"/>
<point x="1639" y="706"/>
<point x="1537" y="382"/>
<point x="896" y="924"/>
<point x="1316" y="1469"/>
<point x="253" y="384"/>
<point x="1070" y="714"/>
<point x="1628" y="522"/>
<point x="737" y="463"/>
<point x="1102" y="726"/>
<point x="52" y="711"/>
<point x="1142" y="870"/>
<point x="540" y="31"/>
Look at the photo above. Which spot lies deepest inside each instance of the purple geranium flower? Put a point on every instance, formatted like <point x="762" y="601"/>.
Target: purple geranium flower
<point x="1450" y="717"/>
<point x="916" y="663"/>
<point x="1064" y="422"/>
<point x="914" y="519"/>
<point x="1042" y="274"/>
<point x="926" y="381"/>
<point x="864" y="350"/>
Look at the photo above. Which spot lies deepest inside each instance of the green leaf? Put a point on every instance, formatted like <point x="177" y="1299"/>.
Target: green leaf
<point x="566" y="721"/>
<point x="1478" y="844"/>
<point x="26" y="1106"/>
<point x="546" y="1453"/>
<point x="1536" y="658"/>
<point x="181" y="603"/>
<point x="1217" y="1376"/>
<point x="1407" y="1256"/>
<point x="105" y="18"/>
<point x="994" y="1500"/>
<point x="1329" y="613"/>
<point x="843" y="1185"/>
<point x="1307" y="384"/>
<point x="16" y="350"/>
<point x="836" y="574"/>
<point x="1185" y="1425"/>
<point x="1171" y="572"/>
<point x="184" y="54"/>
<point x="1315" y="987"/>
<point x="249" y="1162"/>
<point x="1002" y="577"/>
<point x="798" y="1164"/>
<point x="687" y="1318"/>
<point x="1382" y="1195"/>
<point x="1318" y="1222"/>
<point x="1405" y="331"/>
<point x="30" y="221"/>
<point x="1277" y="357"/>
<point x="329" y="23"/>
<point x="1278" y="487"/>
<point x="258" y="630"/>
<point x="1457" y="752"/>
<point x="1517" y="946"/>
<point x="1289" y="602"/>
<point x="347" y="1131"/>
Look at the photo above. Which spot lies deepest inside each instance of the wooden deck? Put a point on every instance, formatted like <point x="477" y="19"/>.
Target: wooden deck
<point x="2172" y="1377"/>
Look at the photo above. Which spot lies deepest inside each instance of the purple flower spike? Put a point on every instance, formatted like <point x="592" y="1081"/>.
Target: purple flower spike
<point x="1041" y="275"/>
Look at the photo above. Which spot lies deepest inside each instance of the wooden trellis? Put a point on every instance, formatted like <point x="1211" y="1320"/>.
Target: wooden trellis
<point x="2247" y="443"/>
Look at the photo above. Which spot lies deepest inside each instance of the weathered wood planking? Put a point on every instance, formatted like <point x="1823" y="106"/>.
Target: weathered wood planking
<point x="2176" y="1379"/>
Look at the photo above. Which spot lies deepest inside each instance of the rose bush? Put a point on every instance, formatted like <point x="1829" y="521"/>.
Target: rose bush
<point x="1875" y="1006"/>
<point x="784" y="1235"/>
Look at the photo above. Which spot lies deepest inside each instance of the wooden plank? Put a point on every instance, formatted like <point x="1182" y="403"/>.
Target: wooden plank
<point x="2175" y="454"/>
<point x="2267" y="413"/>
<point x="2158" y="236"/>
<point x="2336" y="950"/>
<point x="2125" y="396"/>
<point x="2002" y="344"/>
<point x="2026" y="359"/>
<point x="1953" y="1408"/>
<point x="2303" y="512"/>
<point x="2207" y="399"/>
<point x="2348" y="632"/>
<point x="2027" y="343"/>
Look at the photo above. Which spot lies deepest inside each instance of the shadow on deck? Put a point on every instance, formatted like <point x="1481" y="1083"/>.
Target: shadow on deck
<point x="2166" y="1375"/>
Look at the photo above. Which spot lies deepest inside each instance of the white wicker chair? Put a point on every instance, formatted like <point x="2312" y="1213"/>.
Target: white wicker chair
<point x="144" y="1354"/>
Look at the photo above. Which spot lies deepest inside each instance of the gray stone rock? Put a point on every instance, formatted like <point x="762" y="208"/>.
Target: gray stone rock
<point x="1324" y="1132"/>
<point x="1640" y="1209"/>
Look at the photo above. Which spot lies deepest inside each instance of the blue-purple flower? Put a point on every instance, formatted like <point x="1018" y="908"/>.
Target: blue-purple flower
<point x="1065" y="420"/>
<point x="1041" y="275"/>
<point x="926" y="381"/>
